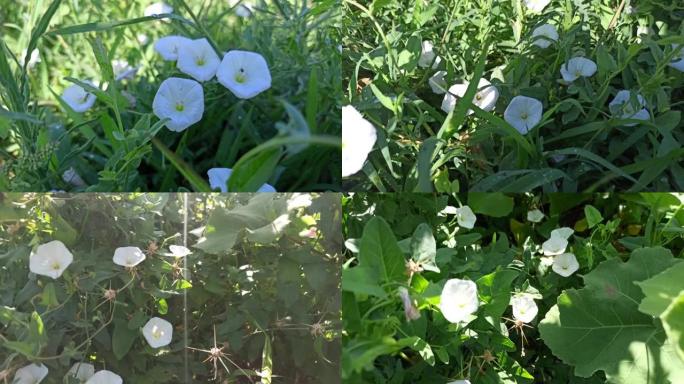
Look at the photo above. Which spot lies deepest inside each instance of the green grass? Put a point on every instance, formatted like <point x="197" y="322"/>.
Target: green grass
<point x="117" y="146"/>
<point x="578" y="145"/>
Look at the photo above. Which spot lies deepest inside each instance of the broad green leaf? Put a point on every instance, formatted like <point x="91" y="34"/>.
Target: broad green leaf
<point x="424" y="248"/>
<point x="495" y="290"/>
<point x="122" y="338"/>
<point x="379" y="250"/>
<point x="673" y="322"/>
<point x="593" y="215"/>
<point x="362" y="280"/>
<point x="490" y="204"/>
<point x="661" y="290"/>
<point x="49" y="297"/>
<point x="250" y="174"/>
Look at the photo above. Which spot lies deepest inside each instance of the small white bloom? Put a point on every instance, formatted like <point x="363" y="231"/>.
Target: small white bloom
<point x="30" y="374"/>
<point x="622" y="106"/>
<point x="543" y="35"/>
<point x="50" y="259"/>
<point x="81" y="371"/>
<point x="448" y="210"/>
<point x="105" y="377"/>
<point x="554" y="246"/>
<point x="72" y="177"/>
<point x="536" y="6"/>
<point x="78" y="98"/>
<point x="565" y="264"/>
<point x="218" y="179"/>
<point x="177" y="251"/>
<point x="678" y="60"/>
<point x="523" y="113"/>
<point x="181" y="100"/>
<point x="563" y="232"/>
<point x="458" y="300"/>
<point x="244" y="9"/>
<point x="535" y="216"/>
<point x="577" y="67"/>
<point x="465" y="217"/>
<point x="358" y="139"/>
<point x="168" y="46"/>
<point x="299" y="200"/>
<point x="244" y="73"/>
<point x="485" y="97"/>
<point x="410" y="310"/>
<point x="128" y="256"/>
<point x="33" y="60"/>
<point x="158" y="9"/>
<point x="438" y="83"/>
<point x="158" y="332"/>
<point x="142" y="38"/>
<point x="427" y="55"/>
<point x="524" y="308"/>
<point x="123" y="70"/>
<point x="198" y="59"/>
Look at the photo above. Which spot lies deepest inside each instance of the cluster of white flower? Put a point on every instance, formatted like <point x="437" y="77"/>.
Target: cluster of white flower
<point x="563" y="263"/>
<point x="83" y="372"/>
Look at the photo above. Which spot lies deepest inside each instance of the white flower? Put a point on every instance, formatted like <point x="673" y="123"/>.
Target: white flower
<point x="554" y="246"/>
<point x="181" y="100"/>
<point x="358" y="138"/>
<point x="78" y="98"/>
<point x="465" y="217"/>
<point x="72" y="177"/>
<point x="198" y="59"/>
<point x="485" y="97"/>
<point x="81" y="371"/>
<point x="218" y="179"/>
<point x="128" y="256"/>
<point x="523" y="113"/>
<point x="427" y="55"/>
<point x="524" y="308"/>
<point x="438" y="83"/>
<point x="244" y="9"/>
<point x="563" y="232"/>
<point x="158" y="9"/>
<point x="105" y="377"/>
<point x="158" y="332"/>
<point x="410" y="311"/>
<point x="577" y="67"/>
<point x="50" y="259"/>
<point x="30" y="374"/>
<point x="565" y="264"/>
<point x="168" y="46"/>
<point x="677" y="61"/>
<point x="33" y="60"/>
<point x="123" y="70"/>
<point x="299" y="200"/>
<point x="622" y="106"/>
<point x="535" y="216"/>
<point x="142" y="38"/>
<point x="543" y="35"/>
<point x="536" y="6"/>
<point x="459" y="300"/>
<point x="244" y="73"/>
<point x="178" y="251"/>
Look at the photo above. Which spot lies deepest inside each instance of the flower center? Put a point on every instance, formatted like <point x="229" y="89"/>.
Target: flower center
<point x="564" y="267"/>
<point x="578" y="73"/>
<point x="55" y="266"/>
<point x="478" y="97"/>
<point x="240" y="76"/>
<point x="200" y="61"/>
<point x="156" y="332"/>
<point x="524" y="116"/>
<point x="180" y="107"/>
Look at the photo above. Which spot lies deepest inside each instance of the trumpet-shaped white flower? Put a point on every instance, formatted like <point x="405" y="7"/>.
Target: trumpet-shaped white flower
<point x="169" y="46"/>
<point x="30" y="374"/>
<point x="535" y="216"/>
<point x="128" y="256"/>
<point x="158" y="9"/>
<point x="105" y="377"/>
<point x="358" y="139"/>
<point x="198" y="59"/>
<point x="158" y="332"/>
<point x="181" y="100"/>
<point x="543" y="35"/>
<point x="676" y="63"/>
<point x="465" y="217"/>
<point x="427" y="55"/>
<point x="485" y="97"/>
<point x="563" y="232"/>
<point x="458" y="300"/>
<point x="33" y="60"/>
<point x="536" y="6"/>
<point x="565" y="264"/>
<point x="123" y="70"/>
<point x="524" y="308"/>
<point x="50" y="259"/>
<point x="623" y="107"/>
<point x="81" y="371"/>
<point x="78" y="98"/>
<point x="554" y="246"/>
<point x="438" y="83"/>
<point x="218" y="179"/>
<point x="244" y="73"/>
<point x="523" y="113"/>
<point x="410" y="310"/>
<point x="577" y="67"/>
<point x="177" y="251"/>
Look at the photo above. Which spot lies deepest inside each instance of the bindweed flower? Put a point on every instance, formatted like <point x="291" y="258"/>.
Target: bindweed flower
<point x="181" y="100"/>
<point x="244" y="73"/>
<point x="427" y="55"/>
<point x="78" y="98"/>
<point x="543" y="35"/>
<point x="676" y="63"/>
<point x="218" y="179"/>
<point x="565" y="264"/>
<point x="523" y="113"/>
<point x="465" y="217"/>
<point x="177" y="251"/>
<point x="50" y="259"/>
<point x="142" y="38"/>
<point x="577" y="67"/>
<point x="458" y="300"/>
<point x="623" y="107"/>
<point x="524" y="308"/>
<point x="299" y="200"/>
<point x="536" y="6"/>
<point x="81" y="371"/>
<point x="105" y="377"/>
<point x="563" y="232"/>
<point x="198" y="59"/>
<point x="30" y="374"/>
<point x="485" y="97"/>
<point x="358" y="139"/>
<point x="128" y="256"/>
<point x="535" y="216"/>
<point x="438" y="83"/>
<point x="411" y="312"/>
<point x="554" y="246"/>
<point x="168" y="46"/>
<point x="72" y="177"/>
<point x="158" y="332"/>
<point x="33" y="59"/>
<point x="123" y="70"/>
<point x="158" y="8"/>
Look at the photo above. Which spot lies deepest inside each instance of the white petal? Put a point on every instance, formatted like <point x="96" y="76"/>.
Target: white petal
<point x="426" y="55"/>
<point x="178" y="251"/>
<point x="198" y="59"/>
<point x="465" y="217"/>
<point x="78" y="98"/>
<point x="30" y="374"/>
<point x="181" y="100"/>
<point x="458" y="300"/>
<point x="168" y="46"/>
<point x="535" y="215"/>
<point x="565" y="264"/>
<point x="105" y="377"/>
<point x="128" y="256"/>
<point x="218" y="179"/>
<point x="244" y="73"/>
<point x="158" y="332"/>
<point x="158" y="9"/>
<point x="358" y="139"/>
<point x="524" y="308"/>
<point x="542" y="35"/>
<point x="81" y="371"/>
<point x="523" y="113"/>
<point x="536" y="6"/>
<point x="438" y="83"/>
<point x="563" y="232"/>
<point x="554" y="246"/>
<point x="50" y="259"/>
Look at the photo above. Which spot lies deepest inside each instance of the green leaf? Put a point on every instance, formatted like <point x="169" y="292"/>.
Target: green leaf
<point x="424" y="165"/>
<point x="37" y="335"/>
<point x="49" y="297"/>
<point x="593" y="215"/>
<point x="162" y="307"/>
<point x="424" y="350"/>
<point x="424" y="248"/>
<point x="250" y="175"/>
<point x="122" y="338"/>
<point x="362" y="280"/>
<point x="495" y="290"/>
<point x="266" y="361"/>
<point x="673" y="322"/>
<point x="379" y="250"/>
<point x="490" y="204"/>
<point x="661" y="290"/>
